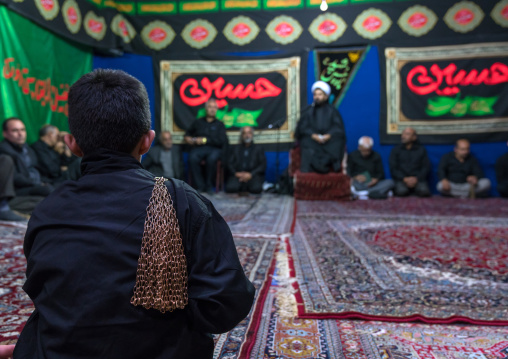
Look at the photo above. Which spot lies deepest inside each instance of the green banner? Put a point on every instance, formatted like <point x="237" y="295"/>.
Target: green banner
<point x="37" y="71"/>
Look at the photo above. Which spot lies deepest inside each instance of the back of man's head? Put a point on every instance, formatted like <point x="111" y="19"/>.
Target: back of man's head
<point x="108" y="109"/>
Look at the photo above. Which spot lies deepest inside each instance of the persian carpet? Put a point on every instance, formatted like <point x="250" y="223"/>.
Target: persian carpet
<point x="283" y="336"/>
<point x="15" y="305"/>
<point x="401" y="264"/>
<point x="266" y="215"/>
<point x="258" y="261"/>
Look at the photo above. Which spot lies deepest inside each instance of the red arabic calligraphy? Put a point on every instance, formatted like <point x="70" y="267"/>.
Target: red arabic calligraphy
<point x="39" y="90"/>
<point x="420" y="82"/>
<point x="199" y="95"/>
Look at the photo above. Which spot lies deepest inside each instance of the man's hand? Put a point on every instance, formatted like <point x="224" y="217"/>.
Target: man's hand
<point x="410" y="181"/>
<point x="316" y="137"/>
<point x="360" y="178"/>
<point x="445" y="184"/>
<point x="243" y="176"/>
<point x="373" y="182"/>
<point x="472" y="180"/>
<point x="326" y="137"/>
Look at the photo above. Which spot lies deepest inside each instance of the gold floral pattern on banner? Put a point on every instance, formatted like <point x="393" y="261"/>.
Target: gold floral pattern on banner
<point x="372" y="23"/>
<point x="464" y="16"/>
<point x="48" y="8"/>
<point x="241" y="30"/>
<point x="123" y="28"/>
<point x="95" y="26"/>
<point x="327" y="27"/>
<point x="199" y="33"/>
<point x="500" y="13"/>
<point x="417" y="20"/>
<point x="72" y="15"/>
<point x="158" y="35"/>
<point x="284" y="29"/>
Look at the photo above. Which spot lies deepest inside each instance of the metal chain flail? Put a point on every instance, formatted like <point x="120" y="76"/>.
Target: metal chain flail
<point x="161" y="278"/>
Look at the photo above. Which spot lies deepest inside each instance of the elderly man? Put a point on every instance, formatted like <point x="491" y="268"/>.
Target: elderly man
<point x="27" y="179"/>
<point x="365" y="167"/>
<point x="164" y="159"/>
<point x="460" y="174"/>
<point x="247" y="165"/>
<point x="410" y="166"/>
<point x="321" y="134"/>
<point x="209" y="142"/>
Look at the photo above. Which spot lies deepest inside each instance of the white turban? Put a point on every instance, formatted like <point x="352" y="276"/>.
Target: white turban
<point x="323" y="86"/>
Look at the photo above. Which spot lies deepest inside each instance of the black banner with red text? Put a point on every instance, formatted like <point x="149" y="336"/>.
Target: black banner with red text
<point x="446" y="93"/>
<point x="263" y="94"/>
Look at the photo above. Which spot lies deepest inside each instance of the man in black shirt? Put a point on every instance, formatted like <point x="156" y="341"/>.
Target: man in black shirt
<point x="122" y="264"/>
<point x="51" y="164"/>
<point x="502" y="175"/>
<point x="321" y="133"/>
<point x="365" y="167"/>
<point x="164" y="159"/>
<point x="246" y="165"/>
<point x="410" y="166"/>
<point x="460" y="174"/>
<point x="27" y="179"/>
<point x="209" y="142"/>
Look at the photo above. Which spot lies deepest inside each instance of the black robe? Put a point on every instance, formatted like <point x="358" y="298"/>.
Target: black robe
<point x="321" y="119"/>
<point x="82" y="245"/>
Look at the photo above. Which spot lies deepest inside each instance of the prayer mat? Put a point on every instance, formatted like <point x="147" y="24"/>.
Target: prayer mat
<point x="391" y="265"/>
<point x="258" y="261"/>
<point x="15" y="305"/>
<point x="268" y="215"/>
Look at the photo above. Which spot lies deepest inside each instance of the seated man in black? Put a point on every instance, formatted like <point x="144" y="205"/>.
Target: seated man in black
<point x="410" y="166"/>
<point x="321" y="134"/>
<point x="502" y="175"/>
<point x="122" y="264"/>
<point x="365" y="167"/>
<point x="209" y="142"/>
<point x="460" y="174"/>
<point x="27" y="179"/>
<point x="164" y="159"/>
<point x="246" y="165"/>
<point x="51" y="164"/>
<point x="7" y="189"/>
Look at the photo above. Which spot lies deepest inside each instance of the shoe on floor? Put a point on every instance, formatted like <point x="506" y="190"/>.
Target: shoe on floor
<point x="9" y="215"/>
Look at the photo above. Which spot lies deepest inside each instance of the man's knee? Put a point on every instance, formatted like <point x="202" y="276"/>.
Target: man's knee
<point x="401" y="190"/>
<point x="422" y="189"/>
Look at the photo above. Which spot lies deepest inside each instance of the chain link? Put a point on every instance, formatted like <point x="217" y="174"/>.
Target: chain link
<point x="161" y="278"/>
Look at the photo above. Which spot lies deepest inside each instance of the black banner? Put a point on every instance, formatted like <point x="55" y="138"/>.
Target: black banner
<point x="335" y="67"/>
<point x="447" y="92"/>
<point x="264" y="94"/>
<point x="189" y="28"/>
<point x="256" y="100"/>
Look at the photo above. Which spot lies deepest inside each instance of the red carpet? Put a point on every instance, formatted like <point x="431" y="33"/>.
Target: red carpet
<point x="395" y="260"/>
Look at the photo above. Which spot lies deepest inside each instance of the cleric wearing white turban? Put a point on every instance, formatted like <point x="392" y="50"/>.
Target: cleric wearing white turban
<point x="320" y="133"/>
<point x="323" y="86"/>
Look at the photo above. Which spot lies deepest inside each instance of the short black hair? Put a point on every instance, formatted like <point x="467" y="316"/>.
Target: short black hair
<point x="7" y="120"/>
<point x="45" y="129"/>
<point x="108" y="109"/>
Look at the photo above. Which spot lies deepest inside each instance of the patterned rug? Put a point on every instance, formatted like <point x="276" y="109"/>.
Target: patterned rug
<point x="401" y="265"/>
<point x="283" y="336"/>
<point x="15" y="305"/>
<point x="257" y="258"/>
<point x="268" y="215"/>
